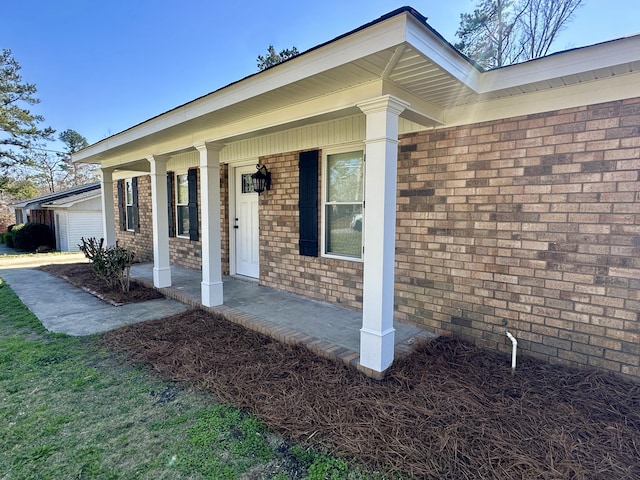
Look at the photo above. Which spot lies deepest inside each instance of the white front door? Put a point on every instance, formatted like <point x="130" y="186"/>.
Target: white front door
<point x="245" y="225"/>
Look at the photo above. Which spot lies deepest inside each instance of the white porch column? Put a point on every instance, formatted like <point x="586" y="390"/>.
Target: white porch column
<point x="210" y="221"/>
<point x="160" y="220"/>
<point x="108" y="207"/>
<point x="381" y="154"/>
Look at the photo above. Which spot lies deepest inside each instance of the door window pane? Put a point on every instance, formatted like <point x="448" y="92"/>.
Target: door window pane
<point x="247" y="183"/>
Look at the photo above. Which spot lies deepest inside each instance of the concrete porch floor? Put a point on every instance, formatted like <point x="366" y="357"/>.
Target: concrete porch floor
<point x="329" y="330"/>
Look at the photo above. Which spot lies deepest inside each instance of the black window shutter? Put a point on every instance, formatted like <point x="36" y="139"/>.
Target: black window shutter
<point x="135" y="210"/>
<point x="122" y="207"/>
<point x="192" y="179"/>
<point x="172" y="219"/>
<point x="308" y="190"/>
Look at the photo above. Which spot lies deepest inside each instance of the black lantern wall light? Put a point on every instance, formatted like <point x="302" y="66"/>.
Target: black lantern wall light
<point x="261" y="180"/>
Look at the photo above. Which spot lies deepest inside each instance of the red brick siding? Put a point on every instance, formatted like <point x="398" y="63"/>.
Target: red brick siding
<point x="182" y="251"/>
<point x="140" y="242"/>
<point x="531" y="221"/>
<point x="281" y="266"/>
<point x="224" y="217"/>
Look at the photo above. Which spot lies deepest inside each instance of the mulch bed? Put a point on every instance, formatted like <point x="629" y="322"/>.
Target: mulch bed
<point x="82" y="276"/>
<point x="448" y="411"/>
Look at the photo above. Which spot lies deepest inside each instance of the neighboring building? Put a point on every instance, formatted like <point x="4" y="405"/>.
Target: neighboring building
<point x="71" y="214"/>
<point x="76" y="216"/>
<point x="490" y="200"/>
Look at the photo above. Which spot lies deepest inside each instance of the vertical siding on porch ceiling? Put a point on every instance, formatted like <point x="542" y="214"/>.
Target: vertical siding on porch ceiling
<point x="335" y="132"/>
<point x="183" y="161"/>
<point x="344" y="130"/>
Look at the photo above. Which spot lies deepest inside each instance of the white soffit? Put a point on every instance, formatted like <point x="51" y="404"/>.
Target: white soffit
<point x="571" y="67"/>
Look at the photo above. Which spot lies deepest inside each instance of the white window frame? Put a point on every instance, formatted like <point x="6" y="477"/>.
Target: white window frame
<point x="177" y="217"/>
<point x="326" y="153"/>
<point x="128" y="189"/>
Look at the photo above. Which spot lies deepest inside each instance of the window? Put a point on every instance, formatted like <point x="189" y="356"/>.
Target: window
<point x="182" y="205"/>
<point x="130" y="205"/>
<point x="343" y="204"/>
<point x="128" y="209"/>
<point x="183" y="219"/>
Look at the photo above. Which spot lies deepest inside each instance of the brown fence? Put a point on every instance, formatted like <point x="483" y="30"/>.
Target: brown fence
<point x="44" y="216"/>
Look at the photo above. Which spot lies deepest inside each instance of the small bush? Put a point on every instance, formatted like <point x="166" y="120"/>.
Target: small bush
<point x="29" y="236"/>
<point x="8" y="239"/>
<point x="111" y="264"/>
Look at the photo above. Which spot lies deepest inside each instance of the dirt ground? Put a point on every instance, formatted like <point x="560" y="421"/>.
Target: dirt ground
<point x="81" y="275"/>
<point x="449" y="411"/>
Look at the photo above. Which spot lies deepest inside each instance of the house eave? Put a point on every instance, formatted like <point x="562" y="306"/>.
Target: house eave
<point x="379" y="36"/>
<point x="399" y="54"/>
<point x="72" y="201"/>
<point x="600" y="60"/>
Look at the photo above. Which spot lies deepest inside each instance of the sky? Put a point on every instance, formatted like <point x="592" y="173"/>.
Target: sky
<point x="102" y="66"/>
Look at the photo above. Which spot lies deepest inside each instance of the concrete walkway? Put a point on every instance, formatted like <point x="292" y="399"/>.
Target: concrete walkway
<point x="63" y="308"/>
<point x="10" y="258"/>
<point x="4" y="250"/>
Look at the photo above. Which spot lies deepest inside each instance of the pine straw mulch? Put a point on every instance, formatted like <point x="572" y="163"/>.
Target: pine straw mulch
<point x="449" y="411"/>
<point x="82" y="276"/>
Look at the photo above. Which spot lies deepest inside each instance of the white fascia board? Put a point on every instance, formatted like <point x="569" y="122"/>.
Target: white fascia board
<point x="386" y="34"/>
<point x="436" y="49"/>
<point x="572" y="62"/>
<point x="587" y="93"/>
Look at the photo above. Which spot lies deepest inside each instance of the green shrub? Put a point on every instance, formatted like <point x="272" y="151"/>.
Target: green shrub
<point x="11" y="234"/>
<point x="2" y="237"/>
<point x="111" y="264"/>
<point x="29" y="236"/>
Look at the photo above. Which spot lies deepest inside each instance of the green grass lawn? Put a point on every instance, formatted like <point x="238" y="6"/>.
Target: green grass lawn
<point x="70" y="409"/>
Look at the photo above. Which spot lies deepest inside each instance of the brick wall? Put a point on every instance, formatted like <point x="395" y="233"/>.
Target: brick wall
<point x="224" y="217"/>
<point x="183" y="252"/>
<point x="281" y="266"/>
<point x="140" y="242"/>
<point x="530" y="224"/>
